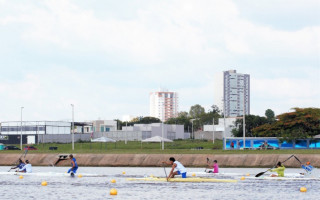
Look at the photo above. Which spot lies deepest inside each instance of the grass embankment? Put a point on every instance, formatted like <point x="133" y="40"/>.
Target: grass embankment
<point x="134" y="147"/>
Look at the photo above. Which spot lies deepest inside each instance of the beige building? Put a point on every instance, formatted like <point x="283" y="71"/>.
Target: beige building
<point x="164" y="104"/>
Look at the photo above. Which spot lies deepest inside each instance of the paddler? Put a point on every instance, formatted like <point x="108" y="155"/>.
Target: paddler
<point x="181" y="170"/>
<point x="20" y="165"/>
<point x="74" y="165"/>
<point x="215" y="167"/>
<point x="279" y="169"/>
<point x="27" y="168"/>
<point x="307" y="167"/>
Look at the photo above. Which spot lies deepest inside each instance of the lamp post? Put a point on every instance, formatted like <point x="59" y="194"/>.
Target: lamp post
<point x="192" y="133"/>
<point x="244" y="119"/>
<point x="162" y="142"/>
<point x="213" y="132"/>
<point x="21" y="130"/>
<point x="224" y="124"/>
<point x="72" y="126"/>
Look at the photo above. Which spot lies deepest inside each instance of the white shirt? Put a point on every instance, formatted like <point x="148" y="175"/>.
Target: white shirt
<point x="180" y="167"/>
<point x="27" y="167"/>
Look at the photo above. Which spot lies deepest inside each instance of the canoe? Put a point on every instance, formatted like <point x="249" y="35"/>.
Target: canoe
<point x="193" y="179"/>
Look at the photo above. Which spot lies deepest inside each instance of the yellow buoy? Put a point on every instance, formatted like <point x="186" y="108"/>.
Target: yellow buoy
<point x="303" y="189"/>
<point x="123" y="172"/>
<point x="247" y="174"/>
<point x="113" y="181"/>
<point x="44" y="183"/>
<point x="193" y="174"/>
<point x="242" y="178"/>
<point x="113" y="191"/>
<point x="80" y="176"/>
<point x="21" y="177"/>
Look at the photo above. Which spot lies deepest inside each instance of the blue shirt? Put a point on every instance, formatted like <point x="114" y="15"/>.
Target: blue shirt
<point x="21" y="165"/>
<point x="308" y="168"/>
<point x="75" y="162"/>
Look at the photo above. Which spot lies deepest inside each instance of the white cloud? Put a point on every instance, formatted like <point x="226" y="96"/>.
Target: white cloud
<point x="180" y="45"/>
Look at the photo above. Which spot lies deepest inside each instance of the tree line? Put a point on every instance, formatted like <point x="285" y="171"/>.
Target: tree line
<point x="300" y="123"/>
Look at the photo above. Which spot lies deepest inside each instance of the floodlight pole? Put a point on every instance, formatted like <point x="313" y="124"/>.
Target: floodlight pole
<point x="72" y="126"/>
<point x="21" y="130"/>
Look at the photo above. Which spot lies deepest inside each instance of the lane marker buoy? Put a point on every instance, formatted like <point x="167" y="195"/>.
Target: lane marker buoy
<point x="113" y="181"/>
<point x="113" y="191"/>
<point x="44" y="183"/>
<point x="242" y="178"/>
<point x="21" y="177"/>
<point x="303" y="189"/>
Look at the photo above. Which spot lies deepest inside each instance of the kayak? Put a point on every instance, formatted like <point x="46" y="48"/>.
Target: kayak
<point x="218" y="174"/>
<point x="48" y="174"/>
<point x="183" y="179"/>
<point x="283" y="178"/>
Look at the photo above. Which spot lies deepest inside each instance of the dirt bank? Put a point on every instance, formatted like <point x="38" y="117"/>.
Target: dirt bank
<point x="151" y="160"/>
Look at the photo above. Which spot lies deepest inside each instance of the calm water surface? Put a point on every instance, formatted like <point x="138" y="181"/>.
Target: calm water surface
<point x="99" y="187"/>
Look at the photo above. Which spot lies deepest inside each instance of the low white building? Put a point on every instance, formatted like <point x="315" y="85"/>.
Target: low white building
<point x="142" y="131"/>
<point x="220" y="127"/>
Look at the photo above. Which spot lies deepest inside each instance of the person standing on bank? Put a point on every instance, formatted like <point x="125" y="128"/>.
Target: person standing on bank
<point x="180" y="169"/>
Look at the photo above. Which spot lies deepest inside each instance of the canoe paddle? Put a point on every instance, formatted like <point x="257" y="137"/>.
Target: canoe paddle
<point x="24" y="154"/>
<point x="164" y="168"/>
<point x="261" y="173"/>
<point x="207" y="163"/>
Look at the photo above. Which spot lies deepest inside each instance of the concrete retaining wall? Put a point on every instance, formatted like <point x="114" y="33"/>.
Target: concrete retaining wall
<point x="151" y="160"/>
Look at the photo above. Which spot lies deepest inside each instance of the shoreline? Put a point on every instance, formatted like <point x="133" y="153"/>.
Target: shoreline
<point x="155" y="160"/>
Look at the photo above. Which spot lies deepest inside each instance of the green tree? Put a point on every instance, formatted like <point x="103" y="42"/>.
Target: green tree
<point x="196" y="111"/>
<point x="252" y="121"/>
<point x="270" y="115"/>
<point x="181" y="119"/>
<point x="300" y="124"/>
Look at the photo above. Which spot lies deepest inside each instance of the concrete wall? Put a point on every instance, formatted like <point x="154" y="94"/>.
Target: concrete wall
<point x="61" y="138"/>
<point x="207" y="135"/>
<point x="151" y="160"/>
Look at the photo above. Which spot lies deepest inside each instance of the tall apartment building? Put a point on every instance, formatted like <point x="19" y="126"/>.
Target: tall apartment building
<point x="232" y="90"/>
<point x="164" y="104"/>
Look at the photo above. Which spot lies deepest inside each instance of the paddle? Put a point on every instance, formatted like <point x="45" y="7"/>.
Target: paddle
<point x="23" y="154"/>
<point x="261" y="173"/>
<point x="298" y="159"/>
<point x="164" y="168"/>
<point x="207" y="163"/>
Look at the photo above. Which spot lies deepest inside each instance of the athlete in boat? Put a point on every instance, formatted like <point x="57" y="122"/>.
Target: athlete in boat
<point x="215" y="167"/>
<point x="74" y="165"/>
<point x="20" y="165"/>
<point x="279" y="169"/>
<point x="307" y="167"/>
<point x="27" y="168"/>
<point x="181" y="170"/>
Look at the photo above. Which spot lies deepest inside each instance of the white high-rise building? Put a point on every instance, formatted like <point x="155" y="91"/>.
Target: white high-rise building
<point x="164" y="104"/>
<point x="232" y="89"/>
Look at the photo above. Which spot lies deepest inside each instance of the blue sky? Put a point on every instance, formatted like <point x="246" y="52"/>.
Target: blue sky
<point x="106" y="56"/>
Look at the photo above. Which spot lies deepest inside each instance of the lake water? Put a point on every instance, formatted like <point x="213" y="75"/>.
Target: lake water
<point x="99" y="187"/>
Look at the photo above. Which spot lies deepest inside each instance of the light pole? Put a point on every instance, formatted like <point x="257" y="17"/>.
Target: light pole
<point x="224" y="124"/>
<point x="244" y="119"/>
<point x="126" y="132"/>
<point x="213" y="132"/>
<point x="72" y="126"/>
<point x="21" y="130"/>
<point x="162" y="139"/>
<point x="192" y="134"/>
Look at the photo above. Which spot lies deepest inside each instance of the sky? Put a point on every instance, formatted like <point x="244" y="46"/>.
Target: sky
<point x="105" y="57"/>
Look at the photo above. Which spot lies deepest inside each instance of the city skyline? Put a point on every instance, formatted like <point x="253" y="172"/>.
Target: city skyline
<point x="105" y="58"/>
